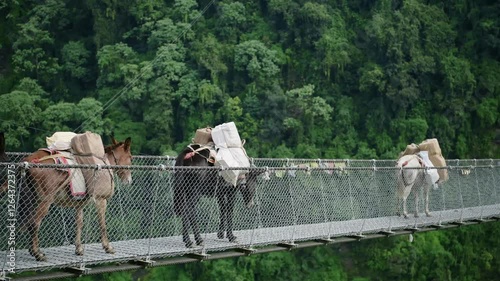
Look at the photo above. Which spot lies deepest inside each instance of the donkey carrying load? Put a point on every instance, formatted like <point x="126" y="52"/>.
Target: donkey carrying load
<point x="417" y="171"/>
<point x="191" y="185"/>
<point x="43" y="187"/>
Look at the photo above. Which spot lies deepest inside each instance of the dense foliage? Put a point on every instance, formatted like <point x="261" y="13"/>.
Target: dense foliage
<point x="312" y="79"/>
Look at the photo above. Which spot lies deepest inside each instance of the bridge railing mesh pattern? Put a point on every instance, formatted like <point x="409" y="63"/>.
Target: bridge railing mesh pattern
<point x="294" y="200"/>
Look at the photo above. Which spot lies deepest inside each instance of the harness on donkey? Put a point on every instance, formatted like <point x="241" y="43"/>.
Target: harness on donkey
<point x="69" y="148"/>
<point x="75" y="180"/>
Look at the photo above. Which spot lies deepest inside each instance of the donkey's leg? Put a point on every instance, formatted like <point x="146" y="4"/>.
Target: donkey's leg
<point x="416" y="203"/>
<point x="101" y="205"/>
<point x="221" y="200"/>
<point x="398" y="206"/>
<point x="184" y="205"/>
<point x="405" y="213"/>
<point x="193" y="219"/>
<point x="231" y="196"/>
<point x="426" y="198"/>
<point x="40" y="213"/>
<point x="185" y="231"/>
<point x="192" y="214"/>
<point x="79" y="226"/>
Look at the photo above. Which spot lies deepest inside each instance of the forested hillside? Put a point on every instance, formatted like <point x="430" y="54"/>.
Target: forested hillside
<point x="305" y="79"/>
<point x="329" y="79"/>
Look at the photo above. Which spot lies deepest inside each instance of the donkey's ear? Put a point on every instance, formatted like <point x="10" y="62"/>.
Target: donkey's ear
<point x="112" y="137"/>
<point x="127" y="143"/>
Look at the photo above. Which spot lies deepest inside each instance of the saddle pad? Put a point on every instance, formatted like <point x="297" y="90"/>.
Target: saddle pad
<point x="77" y="185"/>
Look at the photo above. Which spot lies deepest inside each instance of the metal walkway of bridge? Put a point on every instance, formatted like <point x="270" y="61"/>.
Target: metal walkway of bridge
<point x="300" y="202"/>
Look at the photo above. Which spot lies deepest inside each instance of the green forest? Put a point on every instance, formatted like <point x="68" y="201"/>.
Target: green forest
<point x="356" y="79"/>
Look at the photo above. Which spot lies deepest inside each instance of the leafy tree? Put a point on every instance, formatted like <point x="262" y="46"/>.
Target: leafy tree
<point x="75" y="58"/>
<point x="233" y="21"/>
<point x="18" y="113"/>
<point x="31" y="53"/>
<point x="256" y="60"/>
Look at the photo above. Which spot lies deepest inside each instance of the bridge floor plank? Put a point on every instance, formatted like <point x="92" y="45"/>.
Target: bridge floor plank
<point x="63" y="256"/>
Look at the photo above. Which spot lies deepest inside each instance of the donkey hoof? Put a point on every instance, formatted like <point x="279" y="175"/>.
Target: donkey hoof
<point x="232" y="238"/>
<point x="417" y="216"/>
<point x="220" y="235"/>
<point x="79" y="251"/>
<point x="39" y="256"/>
<point x="109" y="250"/>
<point x="428" y="215"/>
<point x="199" y="242"/>
<point x="188" y="244"/>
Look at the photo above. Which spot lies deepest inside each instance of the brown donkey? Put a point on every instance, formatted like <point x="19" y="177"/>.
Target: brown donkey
<point x="45" y="187"/>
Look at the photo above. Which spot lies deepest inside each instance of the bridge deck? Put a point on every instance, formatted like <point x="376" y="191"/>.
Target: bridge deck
<point x="61" y="257"/>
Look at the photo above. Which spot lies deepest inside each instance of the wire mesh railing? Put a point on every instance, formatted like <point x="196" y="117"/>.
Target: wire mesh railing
<point x="295" y="200"/>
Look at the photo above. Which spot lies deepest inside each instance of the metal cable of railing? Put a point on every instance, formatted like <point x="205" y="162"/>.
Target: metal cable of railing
<point x="296" y="201"/>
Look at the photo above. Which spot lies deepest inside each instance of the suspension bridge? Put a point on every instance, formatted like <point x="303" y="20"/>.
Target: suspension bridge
<point x="299" y="203"/>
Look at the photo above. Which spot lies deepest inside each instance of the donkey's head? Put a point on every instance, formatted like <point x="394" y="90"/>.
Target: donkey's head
<point x="248" y="187"/>
<point x="119" y="154"/>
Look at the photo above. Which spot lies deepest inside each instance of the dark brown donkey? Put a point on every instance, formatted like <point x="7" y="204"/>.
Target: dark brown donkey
<point x="44" y="187"/>
<point x="191" y="185"/>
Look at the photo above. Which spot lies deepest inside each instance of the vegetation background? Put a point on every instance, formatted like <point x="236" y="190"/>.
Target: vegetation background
<point x="305" y="79"/>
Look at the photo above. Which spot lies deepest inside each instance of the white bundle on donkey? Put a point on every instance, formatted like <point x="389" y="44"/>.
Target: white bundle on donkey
<point x="230" y="152"/>
<point x="425" y="155"/>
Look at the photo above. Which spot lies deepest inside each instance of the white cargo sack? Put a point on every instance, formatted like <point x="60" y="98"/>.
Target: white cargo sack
<point x="60" y="141"/>
<point x="230" y="152"/>
<point x="431" y="174"/>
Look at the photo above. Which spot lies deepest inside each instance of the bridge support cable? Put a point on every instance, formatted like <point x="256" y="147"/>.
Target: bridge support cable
<point x="171" y="181"/>
<point x="147" y="260"/>
<point x="323" y="202"/>
<point x="377" y="188"/>
<point x="294" y="210"/>
<point x="461" y="198"/>
<point x="478" y="190"/>
<point x="373" y="188"/>
<point x="396" y="210"/>
<point x="257" y="223"/>
<point x="351" y="198"/>
<point x="495" y="183"/>
<point x="443" y="201"/>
